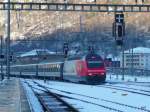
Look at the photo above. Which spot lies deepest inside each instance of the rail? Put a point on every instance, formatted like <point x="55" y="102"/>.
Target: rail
<point x="50" y="101"/>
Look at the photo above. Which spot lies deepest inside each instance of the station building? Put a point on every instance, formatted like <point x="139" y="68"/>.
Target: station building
<point x="138" y="58"/>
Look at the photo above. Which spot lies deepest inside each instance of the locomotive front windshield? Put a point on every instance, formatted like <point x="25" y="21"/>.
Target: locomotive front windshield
<point x="94" y="61"/>
<point x="95" y="64"/>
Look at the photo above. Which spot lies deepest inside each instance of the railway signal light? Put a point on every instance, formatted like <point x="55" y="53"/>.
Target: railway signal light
<point x="91" y="49"/>
<point x="65" y="49"/>
<point x="2" y="56"/>
<point x="119" y="28"/>
<point x="119" y="18"/>
<point x="11" y="58"/>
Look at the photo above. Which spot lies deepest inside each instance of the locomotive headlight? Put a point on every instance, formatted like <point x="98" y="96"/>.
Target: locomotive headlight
<point x="90" y="74"/>
<point x="102" y="73"/>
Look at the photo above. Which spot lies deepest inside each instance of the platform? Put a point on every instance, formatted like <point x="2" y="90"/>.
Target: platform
<point x="12" y="97"/>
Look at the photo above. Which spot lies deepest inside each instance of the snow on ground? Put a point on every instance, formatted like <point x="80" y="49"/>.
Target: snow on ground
<point x="127" y="78"/>
<point x="32" y="99"/>
<point x="3" y="81"/>
<point x="96" y="98"/>
<point x="91" y="98"/>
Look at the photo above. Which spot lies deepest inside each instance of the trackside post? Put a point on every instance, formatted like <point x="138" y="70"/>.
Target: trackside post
<point x="61" y="71"/>
<point x="37" y="70"/>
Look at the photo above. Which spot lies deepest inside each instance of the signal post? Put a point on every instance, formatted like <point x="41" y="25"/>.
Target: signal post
<point x="65" y="52"/>
<point x="119" y="33"/>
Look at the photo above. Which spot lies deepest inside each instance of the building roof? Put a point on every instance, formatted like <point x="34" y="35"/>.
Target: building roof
<point x="37" y="52"/>
<point x="138" y="50"/>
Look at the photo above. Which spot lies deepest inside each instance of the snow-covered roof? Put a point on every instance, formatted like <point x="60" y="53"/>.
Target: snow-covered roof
<point x="37" y="52"/>
<point x="139" y="50"/>
<point x="110" y="56"/>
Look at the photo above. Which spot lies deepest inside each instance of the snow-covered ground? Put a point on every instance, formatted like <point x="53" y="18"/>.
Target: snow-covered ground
<point x="101" y="98"/>
<point x="32" y="99"/>
<point x="127" y="78"/>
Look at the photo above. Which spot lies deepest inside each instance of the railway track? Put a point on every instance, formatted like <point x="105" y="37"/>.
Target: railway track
<point x="127" y="89"/>
<point x="139" y="84"/>
<point x="128" y="106"/>
<point x="51" y="102"/>
<point x="131" y="88"/>
<point x="143" y="84"/>
<point x="81" y="100"/>
<point x="67" y="95"/>
<point x="139" y="109"/>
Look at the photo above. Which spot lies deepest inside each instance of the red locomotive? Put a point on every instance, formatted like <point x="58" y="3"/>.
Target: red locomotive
<point x="89" y="68"/>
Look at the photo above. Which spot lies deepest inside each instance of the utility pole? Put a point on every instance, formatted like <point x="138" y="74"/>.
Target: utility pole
<point x="8" y="41"/>
<point x="132" y="71"/>
<point x="82" y="32"/>
<point x="1" y="52"/>
<point x="123" y="63"/>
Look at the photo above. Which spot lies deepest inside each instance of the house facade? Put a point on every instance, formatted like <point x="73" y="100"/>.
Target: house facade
<point x="137" y="58"/>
